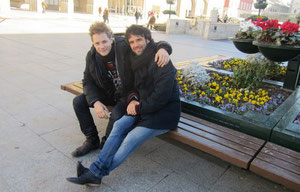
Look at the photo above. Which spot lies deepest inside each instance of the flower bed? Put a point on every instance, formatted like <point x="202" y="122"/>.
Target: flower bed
<point x="215" y="96"/>
<point x="220" y="92"/>
<point x="277" y="70"/>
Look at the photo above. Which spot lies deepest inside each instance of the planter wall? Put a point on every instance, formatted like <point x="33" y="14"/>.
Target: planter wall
<point x="287" y="133"/>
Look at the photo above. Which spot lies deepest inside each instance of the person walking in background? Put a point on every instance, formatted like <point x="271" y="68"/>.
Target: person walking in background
<point x="44" y="6"/>
<point x="106" y="15"/>
<point x="151" y="22"/>
<point x="100" y="11"/>
<point x="153" y="108"/>
<point x="225" y="18"/>
<point x="137" y="16"/>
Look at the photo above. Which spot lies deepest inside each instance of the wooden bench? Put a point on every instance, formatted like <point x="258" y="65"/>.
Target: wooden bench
<point x="227" y="144"/>
<point x="278" y="164"/>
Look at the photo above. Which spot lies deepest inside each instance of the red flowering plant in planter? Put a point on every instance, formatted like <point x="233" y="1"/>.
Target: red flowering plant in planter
<point x="278" y="34"/>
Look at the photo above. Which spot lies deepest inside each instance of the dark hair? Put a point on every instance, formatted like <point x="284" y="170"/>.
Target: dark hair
<point x="100" y="27"/>
<point x="138" y="30"/>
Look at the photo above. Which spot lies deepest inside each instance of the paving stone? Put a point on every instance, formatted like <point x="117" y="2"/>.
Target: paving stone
<point x="45" y="120"/>
<point x="61" y="100"/>
<point x="201" y="168"/>
<point x="236" y="180"/>
<point x="66" y="139"/>
<point x="177" y="182"/>
<point x="35" y="175"/>
<point x="4" y="185"/>
<point x="137" y="173"/>
<point x="20" y="102"/>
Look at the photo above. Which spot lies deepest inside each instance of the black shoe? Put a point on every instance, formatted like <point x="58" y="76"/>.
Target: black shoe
<point x="80" y="169"/>
<point x="103" y="139"/>
<point x="87" y="178"/>
<point x="85" y="148"/>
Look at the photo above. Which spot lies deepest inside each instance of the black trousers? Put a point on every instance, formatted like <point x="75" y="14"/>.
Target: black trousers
<point x="85" y="118"/>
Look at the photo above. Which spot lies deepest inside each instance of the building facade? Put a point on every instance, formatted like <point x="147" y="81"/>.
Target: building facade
<point x="295" y="7"/>
<point x="183" y="8"/>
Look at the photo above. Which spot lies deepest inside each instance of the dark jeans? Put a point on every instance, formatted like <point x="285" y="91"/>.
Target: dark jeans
<point x="86" y="121"/>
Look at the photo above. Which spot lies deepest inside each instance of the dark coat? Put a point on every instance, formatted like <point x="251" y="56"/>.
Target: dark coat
<point x="158" y="92"/>
<point x="95" y="82"/>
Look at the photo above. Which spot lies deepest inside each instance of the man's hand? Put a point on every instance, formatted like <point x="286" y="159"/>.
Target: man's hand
<point x="101" y="110"/>
<point x="131" y="107"/>
<point x="162" y="57"/>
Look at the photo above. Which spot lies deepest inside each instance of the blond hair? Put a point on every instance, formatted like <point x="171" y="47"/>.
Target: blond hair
<point x="100" y="27"/>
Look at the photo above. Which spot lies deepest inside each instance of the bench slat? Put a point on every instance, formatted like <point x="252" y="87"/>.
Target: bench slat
<point x="224" y="129"/>
<point x="216" y="139"/>
<point x="276" y="174"/>
<point x="239" y="140"/>
<point x="279" y="163"/>
<point x="74" y="88"/>
<point x="280" y="155"/>
<point x="283" y="150"/>
<point x="228" y="154"/>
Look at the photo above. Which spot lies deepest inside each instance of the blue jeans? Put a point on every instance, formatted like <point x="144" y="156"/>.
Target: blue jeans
<point x="122" y="141"/>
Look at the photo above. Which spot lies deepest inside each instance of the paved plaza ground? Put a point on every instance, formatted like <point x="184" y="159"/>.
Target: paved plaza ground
<point x="39" y="130"/>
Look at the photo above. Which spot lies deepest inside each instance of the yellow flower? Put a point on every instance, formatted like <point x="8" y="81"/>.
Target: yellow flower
<point x="214" y="84"/>
<point x="245" y="98"/>
<point x="180" y="82"/>
<point x="253" y="102"/>
<point x="218" y="98"/>
<point x="179" y="72"/>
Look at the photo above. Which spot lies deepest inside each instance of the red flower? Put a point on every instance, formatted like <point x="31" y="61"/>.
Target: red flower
<point x="270" y="24"/>
<point x="288" y="27"/>
<point x="258" y="22"/>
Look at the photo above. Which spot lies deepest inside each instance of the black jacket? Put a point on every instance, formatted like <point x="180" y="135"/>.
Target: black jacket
<point x="158" y="92"/>
<point x="95" y="81"/>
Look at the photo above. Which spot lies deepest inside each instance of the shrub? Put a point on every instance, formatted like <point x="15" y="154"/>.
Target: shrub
<point x="171" y="12"/>
<point x="255" y="17"/>
<point x="249" y="74"/>
<point x="160" y="26"/>
<point x="195" y="75"/>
